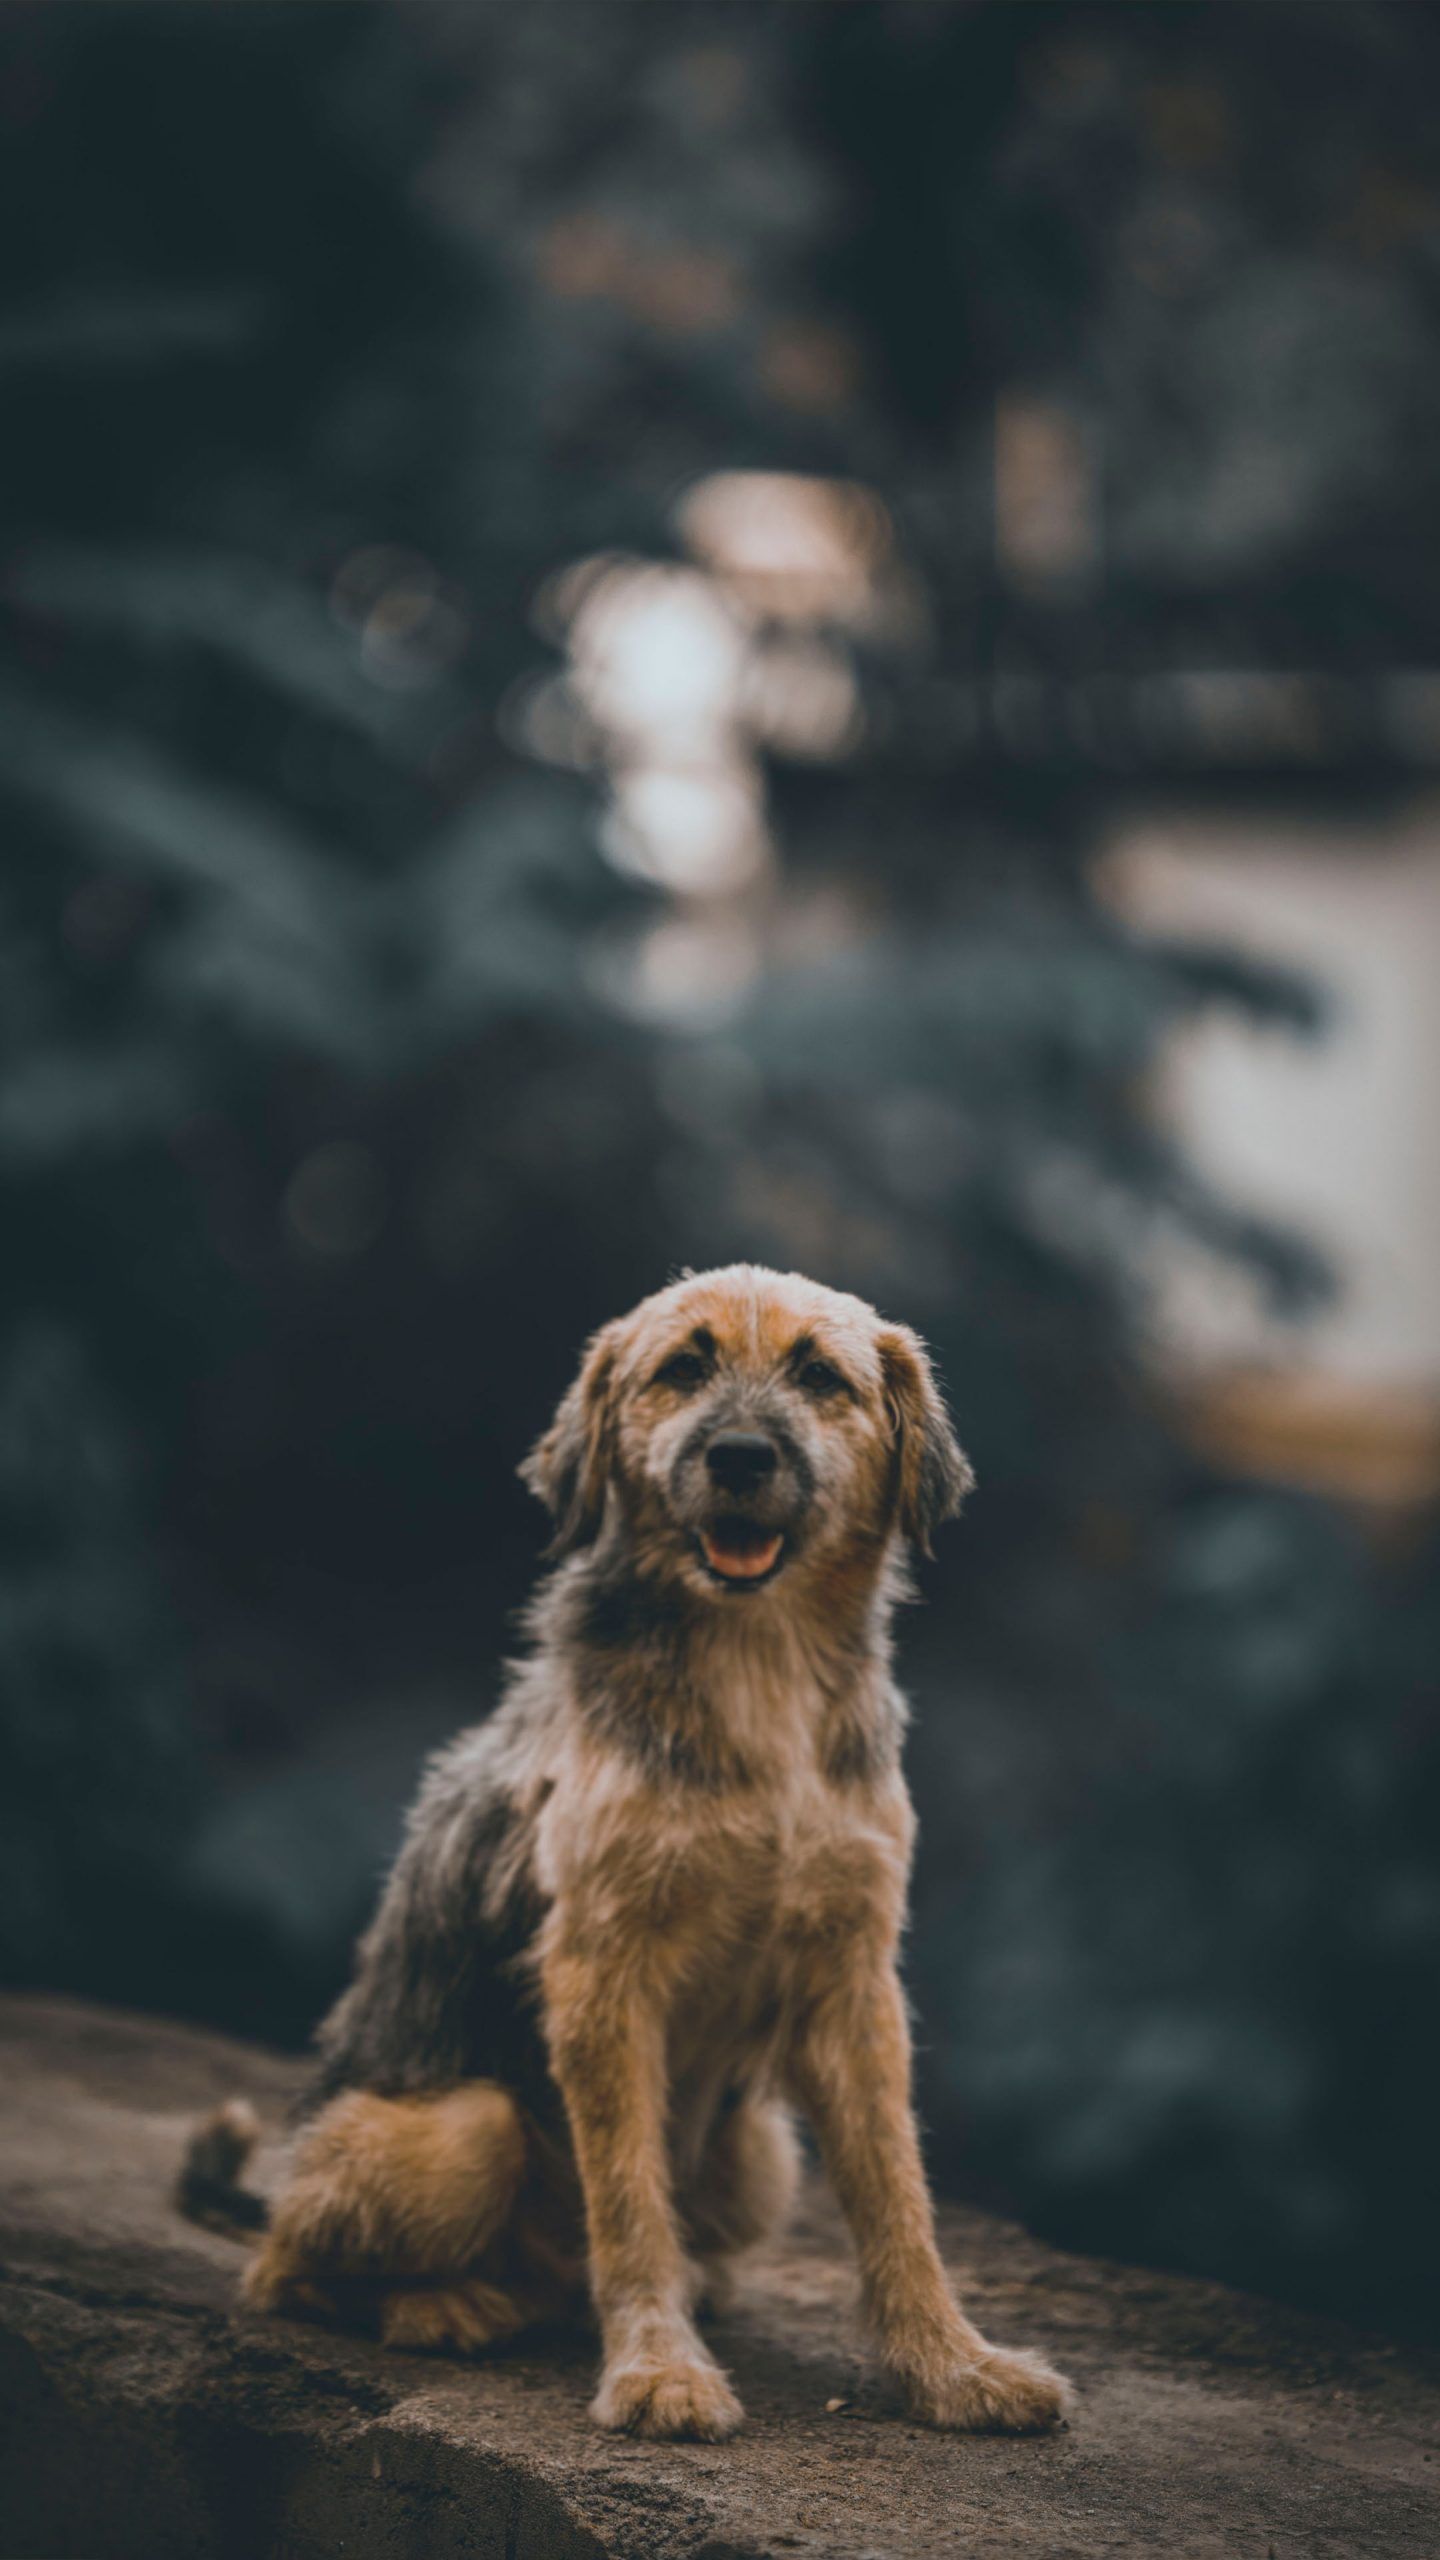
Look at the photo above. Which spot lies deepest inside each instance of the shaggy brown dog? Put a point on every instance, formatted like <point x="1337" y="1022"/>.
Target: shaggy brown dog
<point x="655" y="1901"/>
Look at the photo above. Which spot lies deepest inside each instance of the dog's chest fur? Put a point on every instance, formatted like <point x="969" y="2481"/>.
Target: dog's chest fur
<point x="745" y="1866"/>
<point x="713" y="1815"/>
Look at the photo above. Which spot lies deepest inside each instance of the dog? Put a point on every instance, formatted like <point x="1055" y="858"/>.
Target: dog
<point x="652" y="1907"/>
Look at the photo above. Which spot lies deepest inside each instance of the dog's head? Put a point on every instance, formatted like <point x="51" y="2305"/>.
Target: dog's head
<point x="746" y="1424"/>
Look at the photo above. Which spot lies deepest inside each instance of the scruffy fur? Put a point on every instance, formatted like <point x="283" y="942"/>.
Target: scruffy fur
<point x="654" y="1903"/>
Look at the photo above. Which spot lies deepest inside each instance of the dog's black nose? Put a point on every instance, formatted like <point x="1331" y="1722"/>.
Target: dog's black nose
<point x="739" y="1460"/>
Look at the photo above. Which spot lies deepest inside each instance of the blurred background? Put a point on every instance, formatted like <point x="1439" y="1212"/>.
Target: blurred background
<point x="639" y="635"/>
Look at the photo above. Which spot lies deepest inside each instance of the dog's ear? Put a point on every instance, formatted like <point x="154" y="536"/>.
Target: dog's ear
<point x="569" y="1465"/>
<point x="932" y="1473"/>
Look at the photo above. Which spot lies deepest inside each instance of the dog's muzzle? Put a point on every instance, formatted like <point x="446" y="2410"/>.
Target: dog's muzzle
<point x="741" y="1542"/>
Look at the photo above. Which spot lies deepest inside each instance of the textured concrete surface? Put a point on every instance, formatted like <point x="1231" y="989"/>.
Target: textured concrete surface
<point x="142" y="2417"/>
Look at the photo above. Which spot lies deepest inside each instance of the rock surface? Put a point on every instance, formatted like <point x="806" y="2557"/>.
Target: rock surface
<point x="142" y="2417"/>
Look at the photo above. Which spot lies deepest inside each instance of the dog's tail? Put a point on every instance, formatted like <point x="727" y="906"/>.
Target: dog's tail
<point x="208" y="2189"/>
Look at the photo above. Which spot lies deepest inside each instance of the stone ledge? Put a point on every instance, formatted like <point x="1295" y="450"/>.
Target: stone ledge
<point x="143" y="2418"/>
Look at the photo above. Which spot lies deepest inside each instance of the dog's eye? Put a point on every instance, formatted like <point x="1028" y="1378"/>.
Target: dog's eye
<point x="685" y="1370"/>
<point x="818" y="1378"/>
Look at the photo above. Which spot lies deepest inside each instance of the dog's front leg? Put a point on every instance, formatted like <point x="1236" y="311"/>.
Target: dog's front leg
<point x="606" y="2030"/>
<point x="851" y="2069"/>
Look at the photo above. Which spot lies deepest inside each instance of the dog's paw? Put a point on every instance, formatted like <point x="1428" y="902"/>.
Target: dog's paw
<point x="687" y="2397"/>
<point x="272" y="2282"/>
<point x="1003" y="2392"/>
<point x="460" y="2319"/>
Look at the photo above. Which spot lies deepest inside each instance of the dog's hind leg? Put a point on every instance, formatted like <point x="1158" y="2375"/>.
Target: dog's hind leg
<point x="743" y="2189"/>
<point x="416" y="2189"/>
<point x="462" y="2317"/>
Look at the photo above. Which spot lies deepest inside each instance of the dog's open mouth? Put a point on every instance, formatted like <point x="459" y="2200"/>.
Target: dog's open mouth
<point x="741" y="1550"/>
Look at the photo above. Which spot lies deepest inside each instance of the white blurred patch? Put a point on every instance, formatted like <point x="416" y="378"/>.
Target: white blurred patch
<point x="682" y="677"/>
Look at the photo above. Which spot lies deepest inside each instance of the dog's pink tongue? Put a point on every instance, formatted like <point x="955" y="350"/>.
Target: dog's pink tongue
<point x="742" y="1556"/>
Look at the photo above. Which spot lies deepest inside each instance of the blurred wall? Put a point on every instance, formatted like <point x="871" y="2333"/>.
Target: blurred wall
<point x="1341" y="1140"/>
